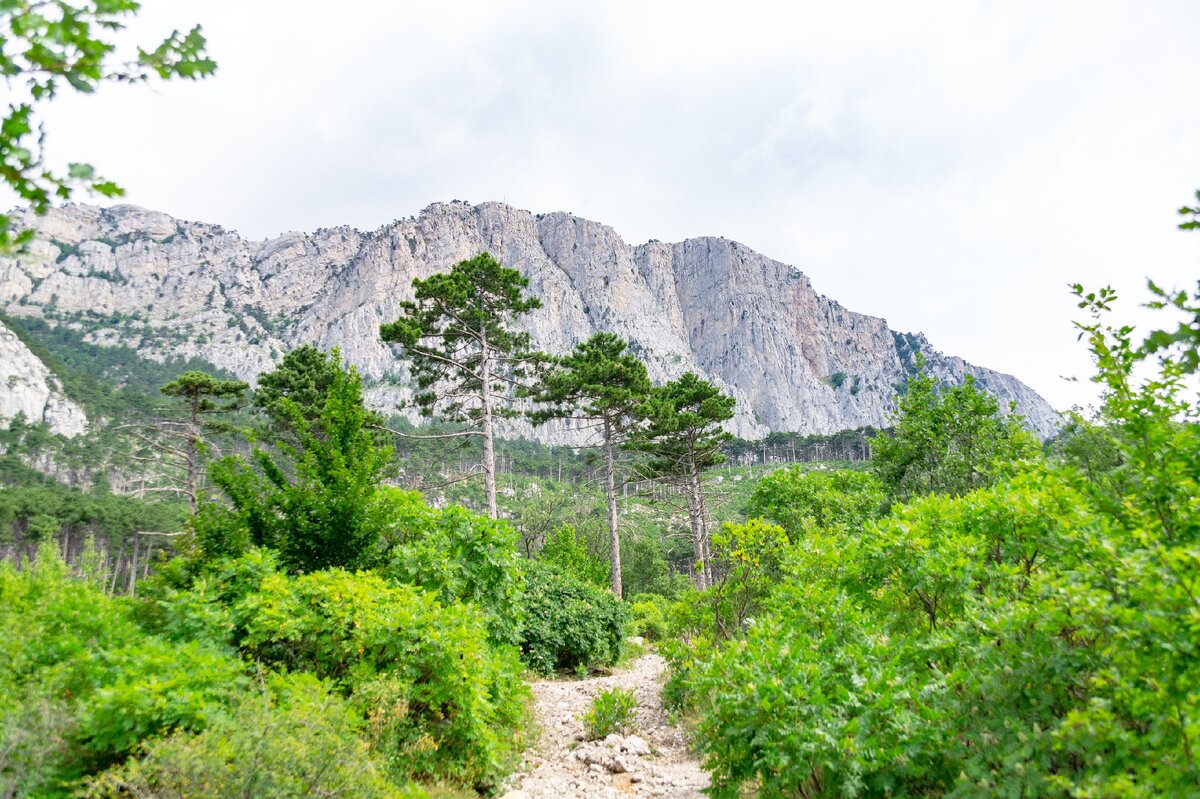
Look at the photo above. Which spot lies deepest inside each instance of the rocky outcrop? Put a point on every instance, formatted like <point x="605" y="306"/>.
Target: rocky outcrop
<point x="794" y="359"/>
<point x="28" y="388"/>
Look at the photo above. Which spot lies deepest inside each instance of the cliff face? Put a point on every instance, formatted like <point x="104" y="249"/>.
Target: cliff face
<point x="27" y="387"/>
<point x="795" y="360"/>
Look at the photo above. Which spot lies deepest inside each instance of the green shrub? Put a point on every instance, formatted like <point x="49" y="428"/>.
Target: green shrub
<point x="566" y="552"/>
<point x="649" y="612"/>
<point x="610" y="712"/>
<point x="82" y="685"/>
<point x="961" y="647"/>
<point x="797" y="499"/>
<point x="293" y="740"/>
<point x="569" y="624"/>
<point x="460" y="556"/>
<point x="442" y="702"/>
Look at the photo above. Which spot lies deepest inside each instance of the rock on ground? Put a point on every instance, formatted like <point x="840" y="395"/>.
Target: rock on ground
<point x="652" y="760"/>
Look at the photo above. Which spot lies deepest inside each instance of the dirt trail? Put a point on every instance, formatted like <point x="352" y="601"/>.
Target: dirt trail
<point x="652" y="760"/>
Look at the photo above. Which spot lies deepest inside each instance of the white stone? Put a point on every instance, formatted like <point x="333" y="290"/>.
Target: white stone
<point x="636" y="745"/>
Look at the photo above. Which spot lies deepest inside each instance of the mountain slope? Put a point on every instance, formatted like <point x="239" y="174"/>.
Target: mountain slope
<point x="28" y="388"/>
<point x="795" y="360"/>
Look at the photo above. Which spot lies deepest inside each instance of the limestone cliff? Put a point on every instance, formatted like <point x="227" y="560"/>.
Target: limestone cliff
<point x="27" y="387"/>
<point x="794" y="359"/>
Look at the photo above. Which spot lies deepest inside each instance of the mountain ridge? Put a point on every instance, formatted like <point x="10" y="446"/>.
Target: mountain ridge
<point x="795" y="360"/>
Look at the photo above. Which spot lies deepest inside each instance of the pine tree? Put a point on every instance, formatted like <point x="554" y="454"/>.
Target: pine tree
<point x="464" y="353"/>
<point x="682" y="434"/>
<point x="601" y="385"/>
<point x="204" y="395"/>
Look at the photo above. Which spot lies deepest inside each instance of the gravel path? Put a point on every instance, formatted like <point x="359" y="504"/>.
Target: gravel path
<point x="652" y="760"/>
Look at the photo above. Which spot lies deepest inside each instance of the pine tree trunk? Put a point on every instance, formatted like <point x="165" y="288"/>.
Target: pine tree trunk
<point x="489" y="451"/>
<point x="702" y="513"/>
<point x="697" y="523"/>
<point x="193" y="457"/>
<point x="610" y="489"/>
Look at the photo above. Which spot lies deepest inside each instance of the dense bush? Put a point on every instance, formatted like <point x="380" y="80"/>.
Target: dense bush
<point x="947" y="439"/>
<point x="904" y="666"/>
<point x="442" y="702"/>
<point x="81" y="684"/>
<point x="459" y="555"/>
<point x="797" y="499"/>
<point x="291" y="741"/>
<point x="566" y="552"/>
<point x="570" y="625"/>
<point x="648" y="616"/>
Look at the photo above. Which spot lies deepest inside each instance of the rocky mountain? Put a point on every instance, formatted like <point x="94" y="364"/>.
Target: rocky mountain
<point x="27" y="387"/>
<point x="794" y="359"/>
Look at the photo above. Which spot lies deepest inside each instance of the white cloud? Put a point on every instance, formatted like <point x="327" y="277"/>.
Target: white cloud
<point x="949" y="166"/>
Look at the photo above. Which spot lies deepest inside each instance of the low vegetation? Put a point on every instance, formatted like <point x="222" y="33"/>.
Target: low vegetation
<point x="610" y="712"/>
<point x="261" y="608"/>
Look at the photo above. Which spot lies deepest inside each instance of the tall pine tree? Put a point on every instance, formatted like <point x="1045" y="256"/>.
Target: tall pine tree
<point x="682" y="433"/>
<point x="601" y="385"/>
<point x="465" y="355"/>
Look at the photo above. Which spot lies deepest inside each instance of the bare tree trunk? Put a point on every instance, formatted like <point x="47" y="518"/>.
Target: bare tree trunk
<point x="193" y="458"/>
<point x="697" y="524"/>
<point x="702" y="513"/>
<point x="610" y="489"/>
<point x="133" y="564"/>
<point x="489" y="451"/>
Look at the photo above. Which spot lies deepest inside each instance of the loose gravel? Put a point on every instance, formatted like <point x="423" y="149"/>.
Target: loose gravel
<point x="652" y="760"/>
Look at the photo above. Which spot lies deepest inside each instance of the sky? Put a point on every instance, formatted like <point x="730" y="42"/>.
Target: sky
<point x="949" y="166"/>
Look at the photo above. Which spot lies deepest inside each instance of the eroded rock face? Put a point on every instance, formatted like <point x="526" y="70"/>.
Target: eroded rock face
<point x="27" y="387"/>
<point x="795" y="360"/>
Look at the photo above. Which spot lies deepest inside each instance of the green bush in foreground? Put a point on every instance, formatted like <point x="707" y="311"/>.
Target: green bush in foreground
<point x="460" y="556"/>
<point x="442" y="702"/>
<point x="570" y="625"/>
<point x="82" y="685"/>
<point x="610" y="712"/>
<point x="291" y="741"/>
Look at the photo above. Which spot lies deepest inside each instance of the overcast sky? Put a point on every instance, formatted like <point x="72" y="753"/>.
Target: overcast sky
<point x="949" y="166"/>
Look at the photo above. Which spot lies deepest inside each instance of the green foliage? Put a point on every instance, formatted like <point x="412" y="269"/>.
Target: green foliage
<point x="565" y="552"/>
<point x="682" y="433"/>
<point x="49" y="46"/>
<point x="205" y="393"/>
<point x="1193" y="212"/>
<point x="748" y="559"/>
<point x="440" y="701"/>
<point x="458" y="324"/>
<point x="1033" y="638"/>
<point x="797" y="499"/>
<point x="901" y="647"/>
<point x="320" y="504"/>
<point x="947" y="440"/>
<point x="293" y="740"/>
<point x="81" y="684"/>
<point x="460" y="556"/>
<point x="1089" y="447"/>
<point x="569" y="624"/>
<point x="612" y="711"/>
<point x="649" y="612"/>
<point x="35" y="513"/>
<point x="599" y="382"/>
<point x="305" y="378"/>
